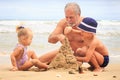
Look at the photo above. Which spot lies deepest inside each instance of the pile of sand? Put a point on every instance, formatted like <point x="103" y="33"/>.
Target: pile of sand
<point x="65" y="59"/>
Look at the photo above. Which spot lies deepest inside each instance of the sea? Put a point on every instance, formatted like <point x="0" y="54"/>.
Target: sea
<point x="107" y="31"/>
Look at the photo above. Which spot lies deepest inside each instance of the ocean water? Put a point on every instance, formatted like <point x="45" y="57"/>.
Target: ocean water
<point x="108" y="32"/>
<point x="41" y="30"/>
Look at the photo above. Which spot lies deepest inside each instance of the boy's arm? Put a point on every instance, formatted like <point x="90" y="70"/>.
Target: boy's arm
<point x="89" y="53"/>
<point x="69" y="30"/>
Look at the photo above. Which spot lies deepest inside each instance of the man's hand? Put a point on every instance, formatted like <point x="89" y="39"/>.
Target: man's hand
<point x="61" y="38"/>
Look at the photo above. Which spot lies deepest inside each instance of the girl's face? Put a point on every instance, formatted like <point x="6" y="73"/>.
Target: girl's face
<point x="26" y="41"/>
<point x="29" y="39"/>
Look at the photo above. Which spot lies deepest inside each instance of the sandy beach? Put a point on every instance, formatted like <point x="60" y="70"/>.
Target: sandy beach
<point x="42" y="18"/>
<point x="112" y="72"/>
<point x="108" y="33"/>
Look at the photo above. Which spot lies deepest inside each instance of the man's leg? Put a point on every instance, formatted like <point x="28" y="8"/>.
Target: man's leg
<point x="46" y="58"/>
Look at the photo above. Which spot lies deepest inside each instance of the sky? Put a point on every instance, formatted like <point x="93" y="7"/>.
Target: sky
<point x="54" y="9"/>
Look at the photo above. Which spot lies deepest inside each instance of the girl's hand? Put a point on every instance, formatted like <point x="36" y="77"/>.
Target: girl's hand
<point x="14" y="69"/>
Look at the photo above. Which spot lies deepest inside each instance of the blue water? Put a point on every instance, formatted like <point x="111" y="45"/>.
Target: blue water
<point x="108" y="32"/>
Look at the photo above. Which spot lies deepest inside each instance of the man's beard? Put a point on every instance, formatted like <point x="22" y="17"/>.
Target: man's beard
<point x="71" y="24"/>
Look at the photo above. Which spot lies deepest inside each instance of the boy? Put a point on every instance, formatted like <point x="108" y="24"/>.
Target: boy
<point x="86" y="46"/>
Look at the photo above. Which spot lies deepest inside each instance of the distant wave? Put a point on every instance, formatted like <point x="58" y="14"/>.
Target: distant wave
<point x="105" y="28"/>
<point x="109" y="22"/>
<point x="11" y="22"/>
<point x="115" y="56"/>
<point x="36" y="26"/>
<point x="108" y="34"/>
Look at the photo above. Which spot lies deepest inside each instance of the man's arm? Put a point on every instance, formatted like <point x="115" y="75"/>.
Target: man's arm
<point x="57" y="34"/>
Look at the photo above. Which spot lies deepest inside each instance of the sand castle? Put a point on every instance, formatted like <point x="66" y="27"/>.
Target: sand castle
<point x="65" y="58"/>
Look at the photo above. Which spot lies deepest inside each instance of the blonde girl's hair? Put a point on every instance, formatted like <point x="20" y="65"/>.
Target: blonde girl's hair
<point x="21" y="31"/>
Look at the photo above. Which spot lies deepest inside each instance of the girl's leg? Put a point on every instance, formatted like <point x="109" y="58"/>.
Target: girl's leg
<point x="39" y="64"/>
<point x="26" y="65"/>
<point x="36" y="62"/>
<point x="33" y="62"/>
<point x="31" y="54"/>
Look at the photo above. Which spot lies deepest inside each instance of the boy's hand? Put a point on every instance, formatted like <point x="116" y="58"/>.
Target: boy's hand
<point x="14" y="69"/>
<point x="67" y="30"/>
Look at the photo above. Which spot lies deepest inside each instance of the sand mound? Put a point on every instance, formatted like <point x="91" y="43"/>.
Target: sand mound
<point x="65" y="58"/>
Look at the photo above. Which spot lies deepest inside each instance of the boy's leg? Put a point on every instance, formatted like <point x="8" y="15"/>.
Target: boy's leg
<point x="46" y="58"/>
<point x="97" y="60"/>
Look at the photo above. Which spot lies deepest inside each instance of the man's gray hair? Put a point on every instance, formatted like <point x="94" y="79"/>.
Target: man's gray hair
<point x="75" y="7"/>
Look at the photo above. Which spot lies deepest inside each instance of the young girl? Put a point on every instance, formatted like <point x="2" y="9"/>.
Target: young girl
<point x="21" y="58"/>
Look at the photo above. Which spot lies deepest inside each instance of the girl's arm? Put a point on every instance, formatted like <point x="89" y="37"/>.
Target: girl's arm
<point x="13" y="56"/>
